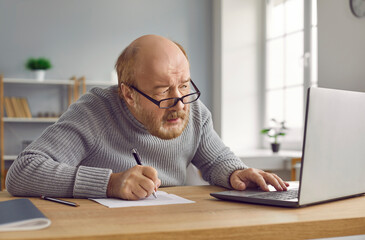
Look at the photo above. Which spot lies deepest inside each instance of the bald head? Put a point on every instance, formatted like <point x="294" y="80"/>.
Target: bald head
<point x="158" y="56"/>
<point x="154" y="46"/>
<point x="150" y="54"/>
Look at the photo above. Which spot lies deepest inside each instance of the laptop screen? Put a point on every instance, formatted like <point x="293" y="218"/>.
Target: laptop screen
<point x="334" y="145"/>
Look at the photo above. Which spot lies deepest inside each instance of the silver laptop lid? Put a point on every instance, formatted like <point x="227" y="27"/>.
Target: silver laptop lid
<point x="334" y="146"/>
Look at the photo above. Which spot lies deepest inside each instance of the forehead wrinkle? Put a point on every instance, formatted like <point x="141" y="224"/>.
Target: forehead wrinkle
<point x="160" y="59"/>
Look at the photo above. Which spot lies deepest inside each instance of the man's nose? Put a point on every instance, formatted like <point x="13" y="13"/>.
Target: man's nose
<point x="179" y="105"/>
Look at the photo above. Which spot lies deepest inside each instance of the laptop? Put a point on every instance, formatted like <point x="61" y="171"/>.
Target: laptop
<point x="333" y="157"/>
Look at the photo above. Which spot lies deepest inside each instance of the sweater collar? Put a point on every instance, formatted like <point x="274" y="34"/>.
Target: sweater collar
<point x="130" y="116"/>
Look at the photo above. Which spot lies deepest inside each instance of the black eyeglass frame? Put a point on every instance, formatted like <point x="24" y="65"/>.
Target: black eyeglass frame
<point x="176" y="100"/>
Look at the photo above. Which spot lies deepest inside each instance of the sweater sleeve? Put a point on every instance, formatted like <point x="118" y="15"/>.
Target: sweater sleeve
<point x="51" y="164"/>
<point x="214" y="159"/>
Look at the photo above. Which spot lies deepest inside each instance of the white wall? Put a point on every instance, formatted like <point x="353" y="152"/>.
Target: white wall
<point x="240" y="24"/>
<point x="85" y="37"/>
<point x="341" y="46"/>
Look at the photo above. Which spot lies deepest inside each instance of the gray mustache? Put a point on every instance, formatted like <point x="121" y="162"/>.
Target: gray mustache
<point x="176" y="114"/>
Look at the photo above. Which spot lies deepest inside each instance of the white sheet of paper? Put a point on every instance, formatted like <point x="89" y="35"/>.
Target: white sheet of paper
<point x="163" y="198"/>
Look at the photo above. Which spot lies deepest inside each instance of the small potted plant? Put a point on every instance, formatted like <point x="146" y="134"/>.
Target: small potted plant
<point x="39" y="66"/>
<point x="274" y="133"/>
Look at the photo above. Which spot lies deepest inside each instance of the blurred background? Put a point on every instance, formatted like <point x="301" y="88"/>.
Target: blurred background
<point x="253" y="60"/>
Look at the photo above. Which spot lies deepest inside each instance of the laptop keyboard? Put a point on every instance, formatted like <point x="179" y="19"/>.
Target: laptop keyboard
<point x="284" y="195"/>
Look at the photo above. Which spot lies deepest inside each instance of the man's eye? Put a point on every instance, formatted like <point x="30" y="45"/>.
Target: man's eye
<point x="163" y="92"/>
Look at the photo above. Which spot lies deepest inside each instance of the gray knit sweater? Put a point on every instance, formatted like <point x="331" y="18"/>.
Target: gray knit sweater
<point x="75" y="156"/>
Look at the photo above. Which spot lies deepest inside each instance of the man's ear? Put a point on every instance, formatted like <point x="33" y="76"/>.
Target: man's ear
<point x="127" y="94"/>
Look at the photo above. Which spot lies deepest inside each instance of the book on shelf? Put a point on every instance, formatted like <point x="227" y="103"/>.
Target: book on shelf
<point x="9" y="109"/>
<point x="17" y="107"/>
<point x="25" y="104"/>
<point x="24" y="108"/>
<point x="20" y="215"/>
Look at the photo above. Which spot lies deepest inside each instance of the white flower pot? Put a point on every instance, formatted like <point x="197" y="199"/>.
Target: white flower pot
<point x="39" y="75"/>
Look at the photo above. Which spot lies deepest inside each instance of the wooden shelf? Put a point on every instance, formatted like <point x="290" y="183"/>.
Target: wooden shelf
<point x="33" y="81"/>
<point x="30" y="120"/>
<point x="73" y="85"/>
<point x="73" y="89"/>
<point x="56" y="82"/>
<point x="10" y="157"/>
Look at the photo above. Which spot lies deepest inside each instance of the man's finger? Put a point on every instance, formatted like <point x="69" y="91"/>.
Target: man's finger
<point x="139" y="192"/>
<point x="158" y="184"/>
<point x="270" y="179"/>
<point x="148" y="185"/>
<point x="283" y="184"/>
<point x="260" y="181"/>
<point x="150" y="172"/>
<point x="237" y="183"/>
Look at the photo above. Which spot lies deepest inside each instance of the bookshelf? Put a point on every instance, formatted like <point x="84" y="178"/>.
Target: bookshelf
<point x="22" y="89"/>
<point x="30" y="120"/>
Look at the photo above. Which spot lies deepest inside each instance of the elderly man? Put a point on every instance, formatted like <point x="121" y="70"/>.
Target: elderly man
<point x="155" y="109"/>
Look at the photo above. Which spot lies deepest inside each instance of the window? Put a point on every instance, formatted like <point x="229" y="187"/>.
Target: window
<point x="291" y="60"/>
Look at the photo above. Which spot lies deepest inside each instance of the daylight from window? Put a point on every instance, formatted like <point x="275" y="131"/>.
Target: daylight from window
<point x="291" y="60"/>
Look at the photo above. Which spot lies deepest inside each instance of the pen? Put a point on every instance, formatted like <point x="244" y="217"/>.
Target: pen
<point x="60" y="201"/>
<point x="138" y="160"/>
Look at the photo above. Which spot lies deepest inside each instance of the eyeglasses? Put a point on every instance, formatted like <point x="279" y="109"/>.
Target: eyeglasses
<point x="170" y="102"/>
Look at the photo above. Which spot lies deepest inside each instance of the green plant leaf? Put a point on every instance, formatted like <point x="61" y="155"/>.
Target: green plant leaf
<point x="265" y="131"/>
<point x="38" y="64"/>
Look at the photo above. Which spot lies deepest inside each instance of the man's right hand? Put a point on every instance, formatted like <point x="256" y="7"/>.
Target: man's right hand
<point x="136" y="183"/>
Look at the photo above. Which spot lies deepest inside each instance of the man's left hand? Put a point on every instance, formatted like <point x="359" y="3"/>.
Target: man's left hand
<point x="251" y="177"/>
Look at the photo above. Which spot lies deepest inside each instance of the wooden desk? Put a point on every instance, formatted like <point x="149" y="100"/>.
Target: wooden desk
<point x="208" y="218"/>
